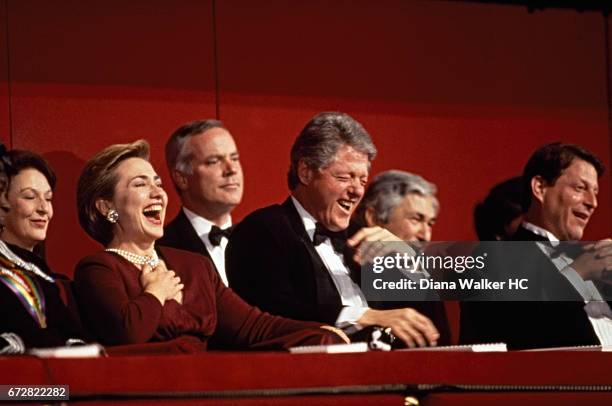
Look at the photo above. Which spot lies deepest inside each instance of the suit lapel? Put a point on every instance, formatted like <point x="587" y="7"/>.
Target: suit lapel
<point x="186" y="236"/>
<point x="571" y="308"/>
<point x="550" y="277"/>
<point x="326" y="289"/>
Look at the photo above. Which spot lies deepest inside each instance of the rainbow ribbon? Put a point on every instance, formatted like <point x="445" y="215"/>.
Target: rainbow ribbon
<point x="28" y="291"/>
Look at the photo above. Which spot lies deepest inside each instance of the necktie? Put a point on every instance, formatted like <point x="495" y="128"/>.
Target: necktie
<point x="337" y="238"/>
<point x="215" y="234"/>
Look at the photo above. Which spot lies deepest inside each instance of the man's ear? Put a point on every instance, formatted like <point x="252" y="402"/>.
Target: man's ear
<point x="103" y="206"/>
<point x="304" y="172"/>
<point x="371" y="219"/>
<point x="538" y="188"/>
<point x="180" y="180"/>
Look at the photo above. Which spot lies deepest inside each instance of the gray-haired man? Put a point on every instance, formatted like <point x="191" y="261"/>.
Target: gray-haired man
<point x="403" y="203"/>
<point x="290" y="259"/>
<point x="406" y="205"/>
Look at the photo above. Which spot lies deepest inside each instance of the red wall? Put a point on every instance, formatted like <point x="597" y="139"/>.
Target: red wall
<point x="459" y="92"/>
<point x="4" y="79"/>
<point x="89" y="74"/>
<point x="609" y="69"/>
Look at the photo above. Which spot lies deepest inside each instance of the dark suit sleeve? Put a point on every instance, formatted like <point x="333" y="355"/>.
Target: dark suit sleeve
<point x="534" y="318"/>
<point x="106" y="309"/>
<point x="488" y="316"/>
<point x="266" y="268"/>
<point x="241" y="325"/>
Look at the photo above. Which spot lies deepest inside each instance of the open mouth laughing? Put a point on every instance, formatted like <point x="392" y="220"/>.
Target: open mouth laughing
<point x="153" y="213"/>
<point x="581" y="216"/>
<point x="347" y="205"/>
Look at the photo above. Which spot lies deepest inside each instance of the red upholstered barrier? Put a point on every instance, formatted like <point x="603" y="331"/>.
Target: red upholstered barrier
<point x="386" y="377"/>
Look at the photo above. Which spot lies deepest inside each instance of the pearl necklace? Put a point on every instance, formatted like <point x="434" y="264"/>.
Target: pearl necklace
<point x="151" y="260"/>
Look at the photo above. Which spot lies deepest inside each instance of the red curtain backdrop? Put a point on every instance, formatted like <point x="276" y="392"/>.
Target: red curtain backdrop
<point x="460" y="93"/>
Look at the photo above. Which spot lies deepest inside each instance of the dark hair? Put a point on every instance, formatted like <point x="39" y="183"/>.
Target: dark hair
<point x="5" y="163"/>
<point x="21" y="160"/>
<point x="98" y="181"/>
<point x="319" y="141"/>
<point x="501" y="206"/>
<point x="550" y="161"/>
<point x="4" y="159"/>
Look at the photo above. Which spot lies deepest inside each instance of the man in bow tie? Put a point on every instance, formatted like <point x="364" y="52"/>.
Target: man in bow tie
<point x="293" y="259"/>
<point x="569" y="288"/>
<point x="204" y="164"/>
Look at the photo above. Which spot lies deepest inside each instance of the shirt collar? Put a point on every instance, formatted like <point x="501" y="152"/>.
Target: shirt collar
<point x="541" y="232"/>
<point x="310" y="223"/>
<point x="202" y="225"/>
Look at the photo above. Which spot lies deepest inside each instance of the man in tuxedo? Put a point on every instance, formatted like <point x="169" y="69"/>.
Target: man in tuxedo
<point x="407" y="206"/>
<point x="204" y="164"/>
<point x="292" y="259"/>
<point x="568" y="291"/>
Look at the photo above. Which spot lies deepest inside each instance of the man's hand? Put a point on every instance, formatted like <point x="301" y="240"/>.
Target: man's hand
<point x="407" y="324"/>
<point x="595" y="262"/>
<point x="370" y="242"/>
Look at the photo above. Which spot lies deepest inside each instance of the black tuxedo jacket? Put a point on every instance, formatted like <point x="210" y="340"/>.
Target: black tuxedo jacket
<point x="530" y="324"/>
<point x="180" y="234"/>
<point x="272" y="263"/>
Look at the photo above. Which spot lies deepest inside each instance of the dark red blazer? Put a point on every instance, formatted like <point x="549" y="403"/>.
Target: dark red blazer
<point x="117" y="310"/>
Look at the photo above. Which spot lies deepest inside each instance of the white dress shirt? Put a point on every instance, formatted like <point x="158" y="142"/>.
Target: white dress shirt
<point x="217" y="253"/>
<point x="596" y="308"/>
<point x="353" y="300"/>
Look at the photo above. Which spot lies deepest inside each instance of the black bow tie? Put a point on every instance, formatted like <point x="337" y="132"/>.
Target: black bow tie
<point x="215" y="234"/>
<point x="337" y="238"/>
<point x="570" y="249"/>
